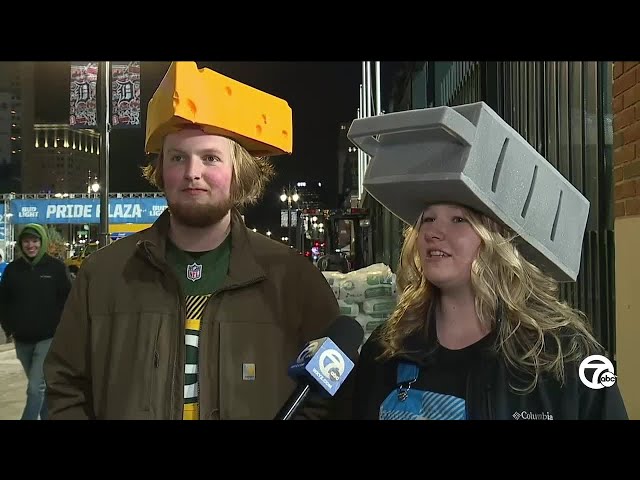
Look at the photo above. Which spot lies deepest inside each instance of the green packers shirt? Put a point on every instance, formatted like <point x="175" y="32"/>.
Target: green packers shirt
<point x="200" y="274"/>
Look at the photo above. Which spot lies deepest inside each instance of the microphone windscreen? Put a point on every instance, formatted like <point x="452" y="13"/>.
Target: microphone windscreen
<point x="347" y="334"/>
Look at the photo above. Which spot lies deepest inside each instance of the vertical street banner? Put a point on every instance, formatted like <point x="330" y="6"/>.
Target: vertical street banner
<point x="6" y="118"/>
<point x="82" y="93"/>
<point x="125" y="94"/>
<point x="2" y="224"/>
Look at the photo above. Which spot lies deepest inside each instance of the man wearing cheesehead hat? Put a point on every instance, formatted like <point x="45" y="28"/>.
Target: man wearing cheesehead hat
<point x="33" y="291"/>
<point x="197" y="317"/>
<point x="492" y="228"/>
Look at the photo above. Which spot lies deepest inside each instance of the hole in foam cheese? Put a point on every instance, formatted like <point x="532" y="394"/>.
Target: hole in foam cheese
<point x="221" y="106"/>
<point x="192" y="106"/>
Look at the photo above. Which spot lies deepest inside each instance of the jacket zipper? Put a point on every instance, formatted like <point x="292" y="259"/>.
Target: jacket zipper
<point x="469" y="396"/>
<point x="199" y="377"/>
<point x="156" y="354"/>
<point x="182" y="355"/>
<point x="486" y="401"/>
<point x="156" y="364"/>
<point x="182" y="315"/>
<point x="487" y="379"/>
<point x="488" y="393"/>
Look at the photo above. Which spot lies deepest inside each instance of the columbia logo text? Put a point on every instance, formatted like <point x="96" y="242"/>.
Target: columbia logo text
<point x="532" y="416"/>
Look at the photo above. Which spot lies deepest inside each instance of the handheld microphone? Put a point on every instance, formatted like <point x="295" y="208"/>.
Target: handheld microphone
<point x="324" y="363"/>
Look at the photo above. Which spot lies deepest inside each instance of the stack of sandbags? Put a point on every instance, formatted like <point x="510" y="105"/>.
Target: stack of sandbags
<point x="368" y="294"/>
<point x="334" y="279"/>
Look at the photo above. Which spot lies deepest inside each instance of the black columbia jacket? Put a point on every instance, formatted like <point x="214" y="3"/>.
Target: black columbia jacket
<point x="489" y="395"/>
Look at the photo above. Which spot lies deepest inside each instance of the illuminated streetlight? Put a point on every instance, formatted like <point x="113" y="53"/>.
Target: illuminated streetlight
<point x="92" y="186"/>
<point x="289" y="197"/>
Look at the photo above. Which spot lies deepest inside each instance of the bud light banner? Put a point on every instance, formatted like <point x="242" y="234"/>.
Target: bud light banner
<point x="82" y="93"/>
<point x="125" y="94"/>
<point x="86" y="210"/>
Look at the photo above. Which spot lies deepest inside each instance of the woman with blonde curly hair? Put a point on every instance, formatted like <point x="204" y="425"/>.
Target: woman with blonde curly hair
<point x="479" y="331"/>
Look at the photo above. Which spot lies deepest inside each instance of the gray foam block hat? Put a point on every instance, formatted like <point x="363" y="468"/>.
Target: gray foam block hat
<point x="469" y="155"/>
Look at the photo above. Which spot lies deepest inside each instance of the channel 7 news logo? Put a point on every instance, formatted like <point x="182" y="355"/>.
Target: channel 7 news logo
<point x="596" y="372"/>
<point x="325" y="363"/>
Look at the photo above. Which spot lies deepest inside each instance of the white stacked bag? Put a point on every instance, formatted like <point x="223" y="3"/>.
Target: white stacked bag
<point x="368" y="294"/>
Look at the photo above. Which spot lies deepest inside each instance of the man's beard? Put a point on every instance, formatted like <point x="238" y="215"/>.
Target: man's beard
<point x="199" y="215"/>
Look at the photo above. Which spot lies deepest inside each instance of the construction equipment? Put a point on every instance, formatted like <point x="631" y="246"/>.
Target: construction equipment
<point x="335" y="240"/>
<point x="73" y="263"/>
<point x="116" y="231"/>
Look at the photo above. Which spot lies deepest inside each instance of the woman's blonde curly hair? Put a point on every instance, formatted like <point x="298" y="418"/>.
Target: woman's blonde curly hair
<point x="504" y="283"/>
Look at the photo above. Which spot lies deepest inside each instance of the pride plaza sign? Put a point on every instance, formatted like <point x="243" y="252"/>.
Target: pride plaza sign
<point x="86" y="210"/>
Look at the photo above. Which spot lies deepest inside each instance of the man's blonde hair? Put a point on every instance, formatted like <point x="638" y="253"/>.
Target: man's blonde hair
<point x="536" y="331"/>
<point x="250" y="175"/>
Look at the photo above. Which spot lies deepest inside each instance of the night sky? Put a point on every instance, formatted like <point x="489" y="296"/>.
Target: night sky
<point x="320" y="94"/>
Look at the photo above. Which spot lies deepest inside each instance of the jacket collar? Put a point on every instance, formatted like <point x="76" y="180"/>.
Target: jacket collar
<point x="244" y="269"/>
<point x="243" y="265"/>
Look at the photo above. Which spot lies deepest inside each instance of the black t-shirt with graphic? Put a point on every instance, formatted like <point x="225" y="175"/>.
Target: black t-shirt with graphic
<point x="200" y="274"/>
<point x="447" y="373"/>
<point x="438" y="392"/>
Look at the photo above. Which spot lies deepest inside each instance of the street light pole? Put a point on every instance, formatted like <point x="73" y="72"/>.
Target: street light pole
<point x="288" y="197"/>
<point x="289" y="221"/>
<point x="105" y="129"/>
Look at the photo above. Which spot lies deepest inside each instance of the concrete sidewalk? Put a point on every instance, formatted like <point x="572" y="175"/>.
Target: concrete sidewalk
<point x="13" y="384"/>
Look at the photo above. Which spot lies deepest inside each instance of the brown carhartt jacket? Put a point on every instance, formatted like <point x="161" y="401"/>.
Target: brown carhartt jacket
<point x="119" y="350"/>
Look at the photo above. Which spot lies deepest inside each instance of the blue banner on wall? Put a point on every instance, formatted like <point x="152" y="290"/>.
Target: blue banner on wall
<point x="2" y="237"/>
<point x="86" y="210"/>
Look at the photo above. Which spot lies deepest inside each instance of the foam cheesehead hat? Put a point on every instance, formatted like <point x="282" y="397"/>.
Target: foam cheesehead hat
<point x="469" y="155"/>
<point x="260" y="122"/>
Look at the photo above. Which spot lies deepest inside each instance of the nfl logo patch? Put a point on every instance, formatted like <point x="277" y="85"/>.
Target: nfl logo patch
<point x="194" y="272"/>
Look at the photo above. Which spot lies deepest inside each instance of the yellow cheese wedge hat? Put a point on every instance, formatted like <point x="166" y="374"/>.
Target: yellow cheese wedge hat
<point x="260" y="122"/>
